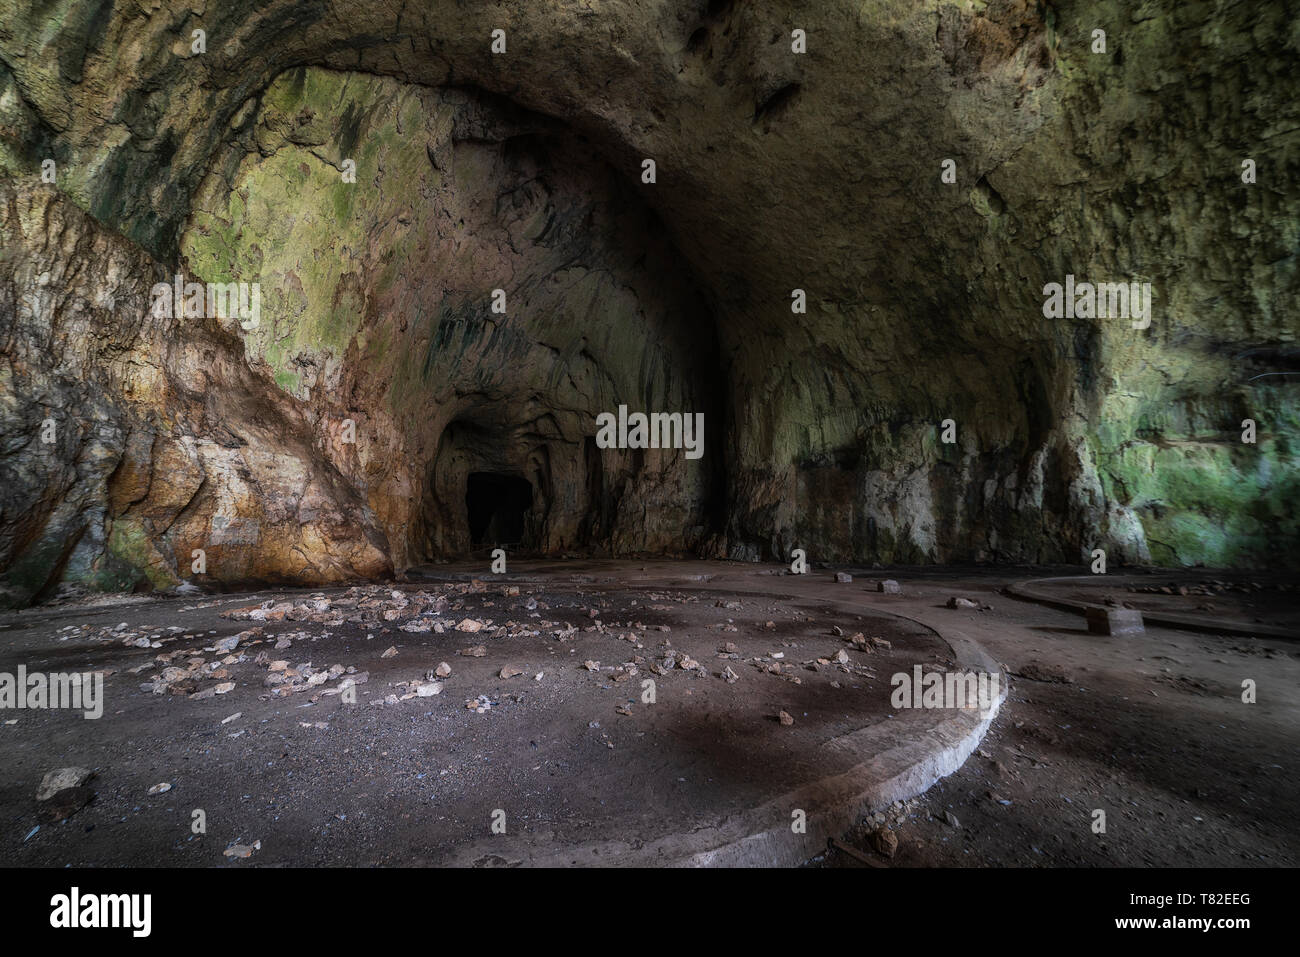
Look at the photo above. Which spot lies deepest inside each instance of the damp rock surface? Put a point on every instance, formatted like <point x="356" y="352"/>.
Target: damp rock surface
<point x="922" y="407"/>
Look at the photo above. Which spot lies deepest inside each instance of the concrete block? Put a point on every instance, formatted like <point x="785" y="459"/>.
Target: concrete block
<point x="1115" y="621"/>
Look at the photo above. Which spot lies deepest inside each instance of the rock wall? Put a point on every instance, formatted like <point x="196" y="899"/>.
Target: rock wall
<point x="131" y="441"/>
<point x="484" y="277"/>
<point x="776" y="171"/>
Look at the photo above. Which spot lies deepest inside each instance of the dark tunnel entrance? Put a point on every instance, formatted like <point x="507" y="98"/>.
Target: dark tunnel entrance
<point x="498" y="506"/>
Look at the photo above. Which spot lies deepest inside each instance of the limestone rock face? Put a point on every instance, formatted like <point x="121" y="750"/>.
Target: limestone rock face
<point x="522" y="171"/>
<point x="131" y="441"/>
<point x="472" y="304"/>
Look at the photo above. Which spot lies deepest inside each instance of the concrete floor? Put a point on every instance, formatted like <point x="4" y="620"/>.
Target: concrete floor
<point x="1151" y="730"/>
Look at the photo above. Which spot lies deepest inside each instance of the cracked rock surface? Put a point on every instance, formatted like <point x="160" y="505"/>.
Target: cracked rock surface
<point x="521" y="172"/>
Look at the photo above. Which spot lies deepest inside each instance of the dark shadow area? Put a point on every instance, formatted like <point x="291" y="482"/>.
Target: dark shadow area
<point x="497" y="507"/>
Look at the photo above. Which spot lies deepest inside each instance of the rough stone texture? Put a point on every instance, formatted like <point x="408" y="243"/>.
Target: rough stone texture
<point x="775" y="172"/>
<point x="380" y="309"/>
<point x="1115" y="621"/>
<point x="164" y="439"/>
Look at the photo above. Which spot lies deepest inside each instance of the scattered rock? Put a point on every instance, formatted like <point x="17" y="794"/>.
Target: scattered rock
<point x="478" y="651"/>
<point x="843" y="578"/>
<point x="510" y="671"/>
<point x="243" y="850"/>
<point x="390" y="653"/>
<point x="884" y="842"/>
<point x="63" y="804"/>
<point x="160" y="788"/>
<point x="56" y="781"/>
<point x="470" y="626"/>
<point x="443" y="670"/>
<point x="785" y="719"/>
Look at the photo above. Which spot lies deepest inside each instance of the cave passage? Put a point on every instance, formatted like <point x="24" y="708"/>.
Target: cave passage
<point x="498" y="505"/>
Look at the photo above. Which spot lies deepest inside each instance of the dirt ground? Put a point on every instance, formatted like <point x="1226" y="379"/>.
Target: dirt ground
<point x="1151" y="730"/>
<point x="547" y="723"/>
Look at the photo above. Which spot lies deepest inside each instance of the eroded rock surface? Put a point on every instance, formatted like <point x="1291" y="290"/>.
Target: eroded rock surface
<point x="163" y="439"/>
<point x="521" y="171"/>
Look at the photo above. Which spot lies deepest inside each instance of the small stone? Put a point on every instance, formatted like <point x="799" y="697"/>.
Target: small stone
<point x="785" y="719"/>
<point x="956" y="602"/>
<point x="729" y="676"/>
<point x="243" y="850"/>
<point x="56" y="781"/>
<point x="951" y="819"/>
<point x="428" y="689"/>
<point x="591" y="665"/>
<point x="224" y="688"/>
<point x="469" y="625"/>
<point x="889" y="587"/>
<point x="389" y="653"/>
<point x="63" y="804"/>
<point x="843" y="578"/>
<point x="443" y="670"/>
<point x="884" y="842"/>
<point x="510" y="671"/>
<point x="478" y="651"/>
<point x="160" y="788"/>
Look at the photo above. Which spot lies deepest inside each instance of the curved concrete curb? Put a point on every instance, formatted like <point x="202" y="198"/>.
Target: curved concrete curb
<point x="1028" y="591"/>
<point x="898" y="766"/>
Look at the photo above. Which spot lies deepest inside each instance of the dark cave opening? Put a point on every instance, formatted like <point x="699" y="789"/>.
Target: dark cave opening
<point x="498" y="506"/>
